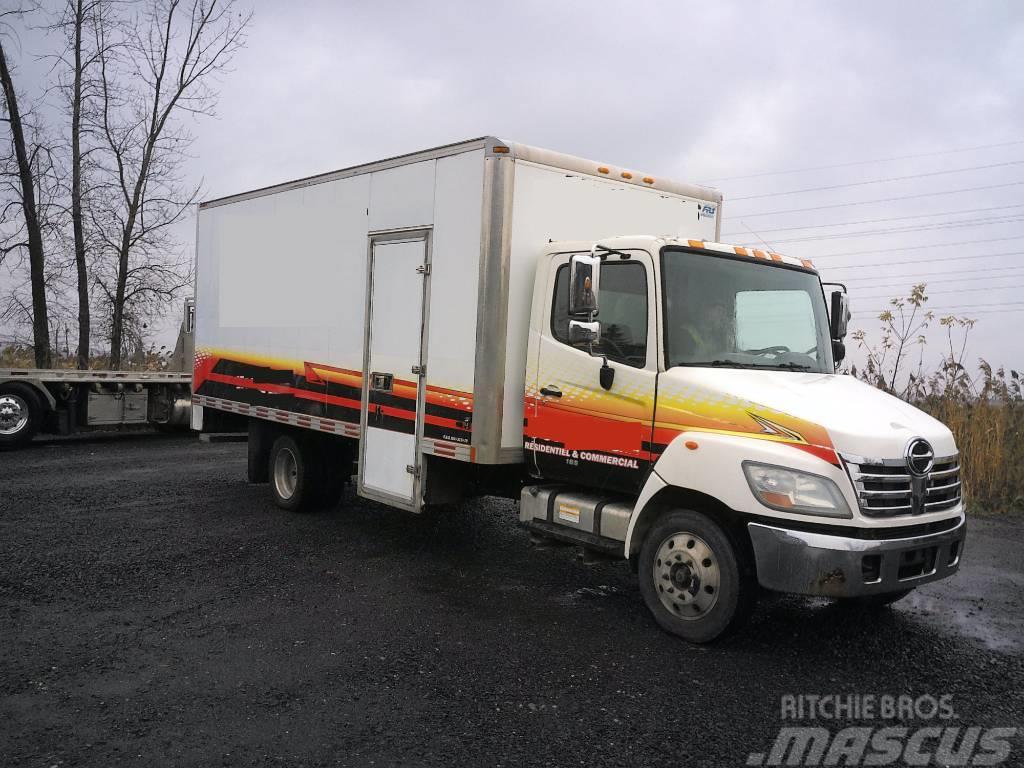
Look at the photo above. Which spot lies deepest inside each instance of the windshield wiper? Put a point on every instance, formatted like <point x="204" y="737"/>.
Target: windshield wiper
<point x="735" y="364"/>
<point x="720" y="363"/>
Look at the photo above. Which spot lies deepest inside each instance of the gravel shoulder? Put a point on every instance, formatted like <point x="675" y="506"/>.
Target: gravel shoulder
<point x="157" y="610"/>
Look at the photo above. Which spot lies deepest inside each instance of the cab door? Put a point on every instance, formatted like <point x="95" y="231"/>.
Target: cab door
<point x="576" y="430"/>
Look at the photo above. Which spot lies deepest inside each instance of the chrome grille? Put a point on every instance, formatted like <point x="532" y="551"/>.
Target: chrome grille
<point x="885" y="488"/>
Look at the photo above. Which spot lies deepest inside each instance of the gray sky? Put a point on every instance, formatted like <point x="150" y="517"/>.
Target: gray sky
<point x="694" y="91"/>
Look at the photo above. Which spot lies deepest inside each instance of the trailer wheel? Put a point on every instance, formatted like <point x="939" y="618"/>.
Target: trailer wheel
<point x="692" y="577"/>
<point x="293" y="475"/>
<point x="20" y="414"/>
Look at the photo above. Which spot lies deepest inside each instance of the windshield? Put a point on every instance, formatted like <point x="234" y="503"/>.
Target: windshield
<point x="739" y="313"/>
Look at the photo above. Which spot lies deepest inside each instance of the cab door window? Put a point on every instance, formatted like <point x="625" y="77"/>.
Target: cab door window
<point x="622" y="312"/>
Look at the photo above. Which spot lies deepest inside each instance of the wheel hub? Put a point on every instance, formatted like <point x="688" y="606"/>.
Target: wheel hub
<point x="682" y="576"/>
<point x="286" y="474"/>
<point x="13" y="414"/>
<point x="687" y="575"/>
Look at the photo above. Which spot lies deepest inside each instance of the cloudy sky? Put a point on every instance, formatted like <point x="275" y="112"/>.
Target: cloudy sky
<point x="909" y="113"/>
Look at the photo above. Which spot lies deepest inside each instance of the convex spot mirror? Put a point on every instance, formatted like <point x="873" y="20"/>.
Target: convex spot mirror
<point x="584" y="284"/>
<point x="583" y="332"/>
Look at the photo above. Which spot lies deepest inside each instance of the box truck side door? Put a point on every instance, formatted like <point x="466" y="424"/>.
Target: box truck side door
<point x="392" y="404"/>
<point x="577" y="431"/>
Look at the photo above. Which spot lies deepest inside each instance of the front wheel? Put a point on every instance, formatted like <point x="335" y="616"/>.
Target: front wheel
<point x="692" y="577"/>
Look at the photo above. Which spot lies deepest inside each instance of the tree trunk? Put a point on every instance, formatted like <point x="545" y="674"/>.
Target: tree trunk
<point x="117" y="331"/>
<point x="36" y="260"/>
<point x="76" y="195"/>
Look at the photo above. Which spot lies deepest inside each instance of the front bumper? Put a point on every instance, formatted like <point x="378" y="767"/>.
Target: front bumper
<point x="839" y="566"/>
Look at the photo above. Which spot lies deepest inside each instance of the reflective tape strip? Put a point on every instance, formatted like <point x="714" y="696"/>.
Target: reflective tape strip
<point x="447" y="450"/>
<point x="302" y="420"/>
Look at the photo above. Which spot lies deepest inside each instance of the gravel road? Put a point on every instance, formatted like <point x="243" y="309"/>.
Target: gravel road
<point x="156" y="610"/>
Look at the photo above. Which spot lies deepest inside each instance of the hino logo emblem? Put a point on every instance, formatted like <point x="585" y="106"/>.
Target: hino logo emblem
<point x="919" y="457"/>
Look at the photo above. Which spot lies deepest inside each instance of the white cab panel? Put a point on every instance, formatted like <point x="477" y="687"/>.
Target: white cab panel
<point x="551" y="204"/>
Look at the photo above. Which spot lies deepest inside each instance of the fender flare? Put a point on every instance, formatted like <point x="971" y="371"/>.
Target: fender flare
<point x="46" y="398"/>
<point x="705" y="470"/>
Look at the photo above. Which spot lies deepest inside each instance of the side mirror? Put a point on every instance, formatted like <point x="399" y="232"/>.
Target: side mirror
<point x="839" y="316"/>
<point x="584" y="283"/>
<point x="581" y="332"/>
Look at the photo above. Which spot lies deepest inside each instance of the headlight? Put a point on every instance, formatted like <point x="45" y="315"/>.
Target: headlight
<point x="791" y="491"/>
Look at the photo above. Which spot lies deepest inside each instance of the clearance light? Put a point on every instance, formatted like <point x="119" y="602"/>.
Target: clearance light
<point x="498" y="149"/>
<point x="602" y="169"/>
<point x="627" y="175"/>
<point x="691" y="444"/>
<point x="791" y="491"/>
<point x="648" y="180"/>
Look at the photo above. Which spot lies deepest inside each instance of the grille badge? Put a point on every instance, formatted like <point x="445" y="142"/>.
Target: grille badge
<point x="919" y="456"/>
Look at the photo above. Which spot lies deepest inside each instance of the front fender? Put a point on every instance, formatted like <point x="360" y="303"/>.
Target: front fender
<point x="711" y="464"/>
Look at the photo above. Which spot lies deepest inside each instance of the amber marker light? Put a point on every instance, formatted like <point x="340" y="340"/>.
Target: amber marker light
<point x="691" y="444"/>
<point x="602" y="169"/>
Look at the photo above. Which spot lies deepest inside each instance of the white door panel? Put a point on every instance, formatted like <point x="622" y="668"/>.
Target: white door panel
<point x="392" y="412"/>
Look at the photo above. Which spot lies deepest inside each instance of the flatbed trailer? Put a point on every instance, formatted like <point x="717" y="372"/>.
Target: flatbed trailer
<point x="67" y="401"/>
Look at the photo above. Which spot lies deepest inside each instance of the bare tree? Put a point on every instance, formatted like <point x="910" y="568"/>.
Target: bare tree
<point x="77" y="21"/>
<point x="26" y="159"/>
<point x="164" y="69"/>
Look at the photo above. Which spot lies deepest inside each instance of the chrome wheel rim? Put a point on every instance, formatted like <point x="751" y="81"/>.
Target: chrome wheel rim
<point x="13" y="414"/>
<point x="286" y="473"/>
<point x="687" y="575"/>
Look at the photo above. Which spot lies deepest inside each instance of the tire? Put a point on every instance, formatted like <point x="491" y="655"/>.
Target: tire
<point x="21" y="414"/>
<point x="685" y="554"/>
<point x="293" y="475"/>
<point x="875" y="602"/>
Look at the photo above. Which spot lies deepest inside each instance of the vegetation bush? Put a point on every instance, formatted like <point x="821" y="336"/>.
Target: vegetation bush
<point x="985" y="410"/>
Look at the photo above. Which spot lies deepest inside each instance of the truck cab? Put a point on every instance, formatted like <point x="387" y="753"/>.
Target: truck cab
<point x="682" y="409"/>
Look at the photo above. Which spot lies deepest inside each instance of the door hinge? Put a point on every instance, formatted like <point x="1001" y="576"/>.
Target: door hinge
<point x="412" y="470"/>
<point x="423" y="269"/>
<point x="419" y="370"/>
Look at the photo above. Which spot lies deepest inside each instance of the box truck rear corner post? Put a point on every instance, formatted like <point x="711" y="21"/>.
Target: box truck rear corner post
<point x="488" y="318"/>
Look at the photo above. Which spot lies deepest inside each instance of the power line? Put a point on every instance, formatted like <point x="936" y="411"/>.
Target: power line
<point x="927" y="261"/>
<point x="884" y="199"/>
<point x="900" y="230"/>
<point x="873" y="313"/>
<point x="863" y="162"/>
<point x="955" y="308"/>
<point x="930" y="174"/>
<point x="919" y="247"/>
<point x="879" y="221"/>
<point x="925" y="277"/>
<point x="987" y="288"/>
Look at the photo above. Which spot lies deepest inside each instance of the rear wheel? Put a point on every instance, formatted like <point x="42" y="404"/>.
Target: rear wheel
<point x="692" y="577"/>
<point x="292" y="475"/>
<point x="20" y="414"/>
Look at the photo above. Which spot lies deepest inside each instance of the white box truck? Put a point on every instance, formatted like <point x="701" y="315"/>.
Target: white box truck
<point x="492" y="318"/>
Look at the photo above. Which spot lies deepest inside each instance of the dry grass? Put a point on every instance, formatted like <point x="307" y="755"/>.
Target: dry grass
<point x="989" y="431"/>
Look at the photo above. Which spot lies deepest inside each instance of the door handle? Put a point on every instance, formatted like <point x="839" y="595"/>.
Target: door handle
<point x="550" y="391"/>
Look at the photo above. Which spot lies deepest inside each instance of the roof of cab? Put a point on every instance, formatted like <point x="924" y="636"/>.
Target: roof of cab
<point x="652" y="243"/>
